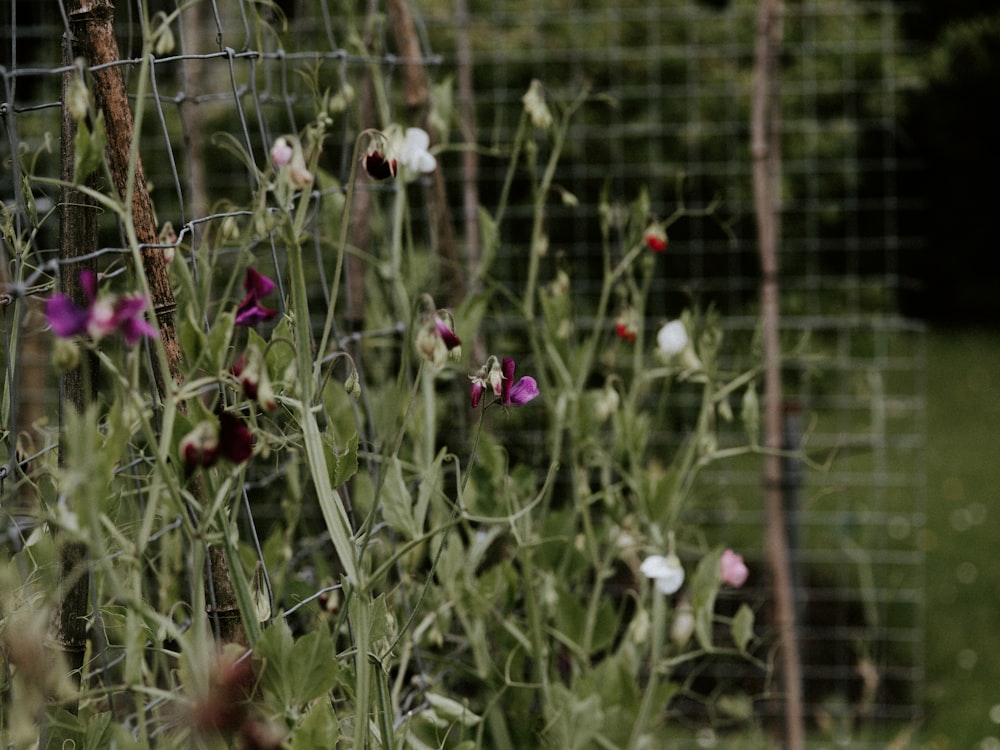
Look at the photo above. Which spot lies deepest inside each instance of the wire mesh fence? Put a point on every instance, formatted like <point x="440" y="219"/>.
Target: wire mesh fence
<point x="666" y="109"/>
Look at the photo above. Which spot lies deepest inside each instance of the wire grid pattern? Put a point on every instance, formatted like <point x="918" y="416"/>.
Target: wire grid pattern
<point x="669" y="110"/>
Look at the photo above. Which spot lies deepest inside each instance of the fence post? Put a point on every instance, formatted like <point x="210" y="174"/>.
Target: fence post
<point x="765" y="131"/>
<point x="93" y="38"/>
<point x="77" y="386"/>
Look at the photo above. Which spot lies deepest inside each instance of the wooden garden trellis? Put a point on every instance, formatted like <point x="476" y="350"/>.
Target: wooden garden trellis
<point x="91" y="37"/>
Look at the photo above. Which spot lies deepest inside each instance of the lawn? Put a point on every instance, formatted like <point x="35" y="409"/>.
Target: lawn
<point x="963" y="575"/>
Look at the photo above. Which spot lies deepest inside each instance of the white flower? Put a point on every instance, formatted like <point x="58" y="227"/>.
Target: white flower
<point x="414" y="154"/>
<point x="672" y="338"/>
<point x="666" y="572"/>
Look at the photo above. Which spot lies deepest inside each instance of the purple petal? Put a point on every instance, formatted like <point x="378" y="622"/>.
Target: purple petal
<point x="250" y="313"/>
<point x="130" y="320"/>
<point x="523" y="391"/>
<point x="65" y="317"/>
<point x="88" y="280"/>
<point x="447" y="335"/>
<point x="476" y="394"/>
<point x="508" y="379"/>
<point x="257" y="284"/>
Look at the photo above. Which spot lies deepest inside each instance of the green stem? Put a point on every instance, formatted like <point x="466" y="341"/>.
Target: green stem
<point x="658" y="633"/>
<point x="541" y="195"/>
<point x="331" y="504"/>
<point x="341" y="250"/>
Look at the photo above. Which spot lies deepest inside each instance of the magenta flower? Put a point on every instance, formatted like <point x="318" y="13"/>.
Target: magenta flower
<point x="519" y="393"/>
<point x="102" y="317"/>
<point x="250" y="312"/>
<point x="732" y="569"/>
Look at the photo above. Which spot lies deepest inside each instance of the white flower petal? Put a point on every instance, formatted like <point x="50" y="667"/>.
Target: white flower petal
<point x="416" y="139"/>
<point x="667" y="573"/>
<point x="672" y="338"/>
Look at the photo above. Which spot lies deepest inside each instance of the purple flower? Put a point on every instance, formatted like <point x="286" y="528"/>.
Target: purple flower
<point x="519" y="393"/>
<point x="103" y="316"/>
<point x="250" y="312"/>
<point x="498" y="378"/>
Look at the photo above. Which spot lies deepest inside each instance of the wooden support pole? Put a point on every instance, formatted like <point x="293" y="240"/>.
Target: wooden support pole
<point x="765" y="132"/>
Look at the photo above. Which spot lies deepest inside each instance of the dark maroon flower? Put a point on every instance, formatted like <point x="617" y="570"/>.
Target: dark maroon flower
<point x="250" y="312"/>
<point x="235" y="438"/>
<point x="206" y="443"/>
<point x="200" y="447"/>
<point x="378" y="166"/>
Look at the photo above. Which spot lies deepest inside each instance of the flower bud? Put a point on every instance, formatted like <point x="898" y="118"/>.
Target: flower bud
<point x="65" y="354"/>
<point x="200" y="447"/>
<point x="353" y="383"/>
<point x="535" y="106"/>
<point x="682" y="627"/>
<point x="164" y="41"/>
<point x="78" y="99"/>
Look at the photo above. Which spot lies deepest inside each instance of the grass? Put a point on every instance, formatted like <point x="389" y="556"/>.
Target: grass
<point x="963" y="574"/>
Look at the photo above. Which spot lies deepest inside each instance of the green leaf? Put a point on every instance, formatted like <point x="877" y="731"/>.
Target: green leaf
<point x="381" y="622"/>
<point x="397" y="504"/>
<point x="750" y="414"/>
<point x="742" y="627"/>
<point x="314" y="665"/>
<point x="660" y="494"/>
<point x="319" y="729"/>
<point x="451" y="710"/>
<point x="219" y="335"/>
<point x="88" y="148"/>
<point x="192" y="337"/>
<point x="704" y="589"/>
<point x="273" y="650"/>
<point x="430" y="484"/>
<point x="346" y="463"/>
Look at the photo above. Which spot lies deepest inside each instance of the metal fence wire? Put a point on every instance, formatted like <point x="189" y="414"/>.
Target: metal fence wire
<point x="667" y="109"/>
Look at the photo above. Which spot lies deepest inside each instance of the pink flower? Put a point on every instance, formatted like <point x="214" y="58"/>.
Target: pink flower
<point x="102" y="317"/>
<point x="281" y="153"/>
<point x="250" y="312"/>
<point x="733" y="570"/>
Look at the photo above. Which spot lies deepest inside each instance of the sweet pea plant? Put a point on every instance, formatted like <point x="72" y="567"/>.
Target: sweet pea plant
<point x="502" y="559"/>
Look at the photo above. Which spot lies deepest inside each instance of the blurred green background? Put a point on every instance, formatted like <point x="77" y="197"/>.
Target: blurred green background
<point x="962" y="570"/>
